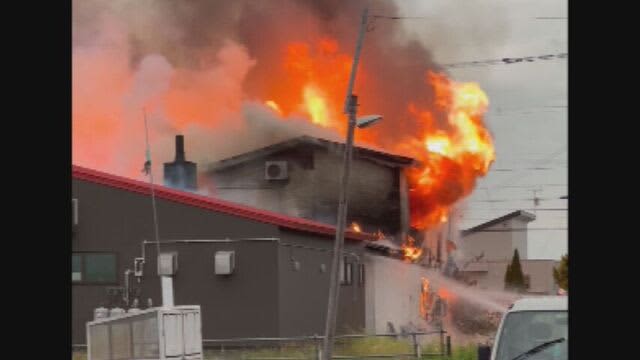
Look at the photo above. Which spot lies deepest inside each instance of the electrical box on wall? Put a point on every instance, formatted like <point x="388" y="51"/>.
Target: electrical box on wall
<point x="168" y="264"/>
<point x="138" y="266"/>
<point x="225" y="262"/>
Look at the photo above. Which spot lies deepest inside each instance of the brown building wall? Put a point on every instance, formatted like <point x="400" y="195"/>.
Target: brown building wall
<point x="261" y="298"/>
<point x="304" y="292"/>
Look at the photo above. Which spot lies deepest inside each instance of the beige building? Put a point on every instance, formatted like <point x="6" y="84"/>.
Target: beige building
<point x="486" y="250"/>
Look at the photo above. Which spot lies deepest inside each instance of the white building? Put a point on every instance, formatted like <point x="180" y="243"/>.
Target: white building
<point x="487" y="249"/>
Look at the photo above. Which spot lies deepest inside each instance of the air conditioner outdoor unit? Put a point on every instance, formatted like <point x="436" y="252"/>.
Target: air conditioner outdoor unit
<point x="275" y="170"/>
<point x="153" y="334"/>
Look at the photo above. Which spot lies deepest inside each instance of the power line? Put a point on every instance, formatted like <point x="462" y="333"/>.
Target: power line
<point x="537" y="163"/>
<point x="515" y="209"/>
<point x="507" y="60"/>
<point x="521" y="230"/>
<point x="522" y="186"/>
<point x="397" y="17"/>
<point x="537" y="168"/>
<point x="563" y="197"/>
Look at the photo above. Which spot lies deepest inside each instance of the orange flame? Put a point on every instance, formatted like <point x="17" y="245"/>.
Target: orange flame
<point x="452" y="145"/>
<point x="273" y="105"/>
<point x="410" y="251"/>
<point x="425" y="298"/>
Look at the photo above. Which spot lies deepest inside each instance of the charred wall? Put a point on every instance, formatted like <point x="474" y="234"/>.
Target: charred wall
<point x="312" y="188"/>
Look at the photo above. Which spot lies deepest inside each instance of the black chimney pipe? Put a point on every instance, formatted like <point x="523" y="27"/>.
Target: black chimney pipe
<point x="180" y="148"/>
<point x="181" y="174"/>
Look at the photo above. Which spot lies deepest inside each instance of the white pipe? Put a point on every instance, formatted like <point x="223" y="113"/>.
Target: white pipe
<point x="167" y="291"/>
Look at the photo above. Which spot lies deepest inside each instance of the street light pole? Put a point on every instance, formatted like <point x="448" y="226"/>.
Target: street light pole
<point x="350" y="109"/>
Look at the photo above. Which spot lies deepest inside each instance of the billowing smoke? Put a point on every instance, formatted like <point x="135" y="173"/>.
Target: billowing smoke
<point x="206" y="69"/>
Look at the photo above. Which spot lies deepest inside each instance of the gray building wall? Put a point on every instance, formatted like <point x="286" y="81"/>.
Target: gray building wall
<point x="497" y="242"/>
<point x="304" y="292"/>
<point x="259" y="299"/>
<point x="393" y="294"/>
<point x="312" y="188"/>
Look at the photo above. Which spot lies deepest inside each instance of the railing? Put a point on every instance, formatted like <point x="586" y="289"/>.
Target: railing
<point x="411" y="345"/>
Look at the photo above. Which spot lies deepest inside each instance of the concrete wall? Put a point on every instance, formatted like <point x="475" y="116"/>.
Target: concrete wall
<point x="497" y="242"/>
<point x="494" y="245"/>
<point x="392" y="294"/>
<point x="312" y="188"/>
<point x="539" y="271"/>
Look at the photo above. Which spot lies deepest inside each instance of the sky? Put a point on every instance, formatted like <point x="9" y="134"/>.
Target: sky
<point x="528" y="104"/>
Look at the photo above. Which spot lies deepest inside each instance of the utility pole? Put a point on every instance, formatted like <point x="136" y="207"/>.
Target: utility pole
<point x="350" y="108"/>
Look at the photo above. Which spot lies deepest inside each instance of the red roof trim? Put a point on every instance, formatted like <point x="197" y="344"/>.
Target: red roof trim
<point x="203" y="202"/>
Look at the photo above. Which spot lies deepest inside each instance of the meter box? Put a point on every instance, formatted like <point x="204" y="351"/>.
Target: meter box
<point x="168" y="264"/>
<point x="151" y="334"/>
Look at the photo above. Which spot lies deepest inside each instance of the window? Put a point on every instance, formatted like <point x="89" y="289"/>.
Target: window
<point x="76" y="268"/>
<point x="346" y="269"/>
<point x="93" y="268"/>
<point x="361" y="274"/>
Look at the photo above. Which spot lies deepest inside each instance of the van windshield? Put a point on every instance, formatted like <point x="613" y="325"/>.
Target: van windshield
<point x="525" y="330"/>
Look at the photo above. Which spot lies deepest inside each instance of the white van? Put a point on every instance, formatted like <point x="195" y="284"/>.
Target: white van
<point x="534" y="328"/>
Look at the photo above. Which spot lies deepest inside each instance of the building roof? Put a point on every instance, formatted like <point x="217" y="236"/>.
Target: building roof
<point x="384" y="158"/>
<point x="212" y="204"/>
<point x="523" y="215"/>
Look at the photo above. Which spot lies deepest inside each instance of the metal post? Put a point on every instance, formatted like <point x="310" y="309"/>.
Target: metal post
<point x="167" y="291"/>
<point x="417" y="351"/>
<point x="350" y="109"/>
<point x="448" y="346"/>
<point x="316" y="342"/>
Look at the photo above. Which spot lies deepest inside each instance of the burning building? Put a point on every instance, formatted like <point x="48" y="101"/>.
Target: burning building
<point x="196" y="67"/>
<point x="300" y="177"/>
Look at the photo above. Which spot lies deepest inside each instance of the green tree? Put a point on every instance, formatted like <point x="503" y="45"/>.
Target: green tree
<point x="508" y="276"/>
<point x="514" y="277"/>
<point x="561" y="273"/>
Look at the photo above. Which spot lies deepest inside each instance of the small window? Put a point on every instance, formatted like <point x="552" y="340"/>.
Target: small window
<point x="76" y="268"/>
<point x="346" y="269"/>
<point x="361" y="274"/>
<point x="100" y="268"/>
<point x="93" y="268"/>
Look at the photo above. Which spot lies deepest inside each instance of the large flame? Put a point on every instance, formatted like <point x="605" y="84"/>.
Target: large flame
<point x="440" y="125"/>
<point x="452" y="153"/>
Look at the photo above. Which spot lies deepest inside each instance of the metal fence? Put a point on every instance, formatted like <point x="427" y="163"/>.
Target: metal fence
<point x="411" y="345"/>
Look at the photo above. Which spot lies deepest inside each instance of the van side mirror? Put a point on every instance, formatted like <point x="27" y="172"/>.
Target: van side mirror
<point x="484" y="352"/>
